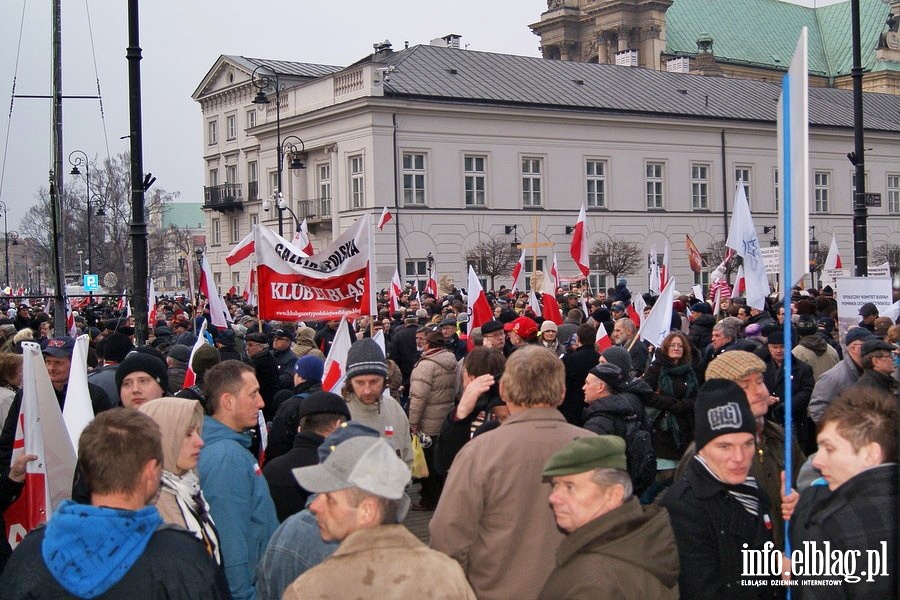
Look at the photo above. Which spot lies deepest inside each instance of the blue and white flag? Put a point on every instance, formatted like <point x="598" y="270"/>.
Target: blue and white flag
<point x="793" y="166"/>
<point x="742" y="238"/>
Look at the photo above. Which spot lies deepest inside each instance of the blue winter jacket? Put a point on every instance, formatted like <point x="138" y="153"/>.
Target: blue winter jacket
<point x="239" y="502"/>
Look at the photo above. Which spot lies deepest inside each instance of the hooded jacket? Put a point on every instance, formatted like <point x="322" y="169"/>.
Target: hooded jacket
<point x="239" y="502"/>
<point x="629" y="552"/>
<point x="815" y="351"/>
<point x="432" y="388"/>
<point x="99" y="552"/>
<point x="601" y="415"/>
<point x="834" y="381"/>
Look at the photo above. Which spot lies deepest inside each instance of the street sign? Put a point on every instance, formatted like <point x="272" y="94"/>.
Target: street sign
<point x="91" y="282"/>
<point x="873" y="199"/>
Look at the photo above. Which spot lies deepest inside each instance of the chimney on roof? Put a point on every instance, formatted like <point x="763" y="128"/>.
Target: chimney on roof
<point x="382" y="49"/>
<point x="451" y="40"/>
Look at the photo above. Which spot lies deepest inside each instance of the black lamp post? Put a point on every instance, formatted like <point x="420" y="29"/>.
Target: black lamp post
<point x="268" y="79"/>
<point x="771" y="229"/>
<point x="5" y="210"/>
<point x="76" y="159"/>
<point x="181" y="263"/>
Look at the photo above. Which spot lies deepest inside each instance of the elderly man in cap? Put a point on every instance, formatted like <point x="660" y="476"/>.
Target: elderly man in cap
<point x="451" y="337"/>
<point x="370" y="404"/>
<point x="282" y="339"/>
<point x="842" y="375"/>
<point x="58" y="358"/>
<point x="492" y="335"/>
<point x="747" y="370"/>
<point x="491" y="501"/>
<point x="360" y="498"/>
<point x="613" y="546"/>
<point x="717" y="509"/>
<point x="320" y="414"/>
<point x="869" y="313"/>
<point x="878" y="367"/>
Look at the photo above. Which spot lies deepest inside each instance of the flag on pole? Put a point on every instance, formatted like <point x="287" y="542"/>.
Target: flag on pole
<point x="151" y="306"/>
<point x="263" y="438"/>
<point x="740" y="282"/>
<point x="579" y="248"/>
<point x="695" y="259"/>
<point x="232" y="291"/>
<point x="635" y="310"/>
<point x="242" y="250"/>
<point x="190" y="377"/>
<point x="833" y="260"/>
<point x="218" y="311"/>
<point x="335" y="369"/>
<point x="301" y="239"/>
<point x="658" y="323"/>
<point x="654" y="272"/>
<point x="549" y="305"/>
<point x="534" y="304"/>
<point x="396" y="291"/>
<point x="431" y="286"/>
<point x="793" y="164"/>
<point x="385" y="217"/>
<point x="478" y="308"/>
<point x="602" y="341"/>
<point x="71" y="329"/>
<point x="664" y="267"/>
<point x="717" y="305"/>
<point x="742" y="238"/>
<point x="122" y="302"/>
<point x="41" y="431"/>
<point x="78" y="410"/>
<point x="518" y="274"/>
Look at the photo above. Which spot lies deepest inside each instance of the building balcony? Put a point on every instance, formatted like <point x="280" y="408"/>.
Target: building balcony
<point x="224" y="197"/>
<point x="316" y="211"/>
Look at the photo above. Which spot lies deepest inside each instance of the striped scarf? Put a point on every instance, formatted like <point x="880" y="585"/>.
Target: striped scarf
<point x="745" y="493"/>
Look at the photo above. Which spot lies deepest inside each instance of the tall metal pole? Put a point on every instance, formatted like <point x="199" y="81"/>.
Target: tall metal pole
<point x="860" y="212"/>
<point x="56" y="178"/>
<point x="4" y="208"/>
<point x="138" y="225"/>
<point x="278" y="152"/>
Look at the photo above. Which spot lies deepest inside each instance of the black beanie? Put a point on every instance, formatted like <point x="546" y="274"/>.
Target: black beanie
<point x="116" y="347"/>
<point x="144" y="362"/>
<point x="721" y="408"/>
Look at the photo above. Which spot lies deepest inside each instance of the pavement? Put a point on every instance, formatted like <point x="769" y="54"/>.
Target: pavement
<point x="417" y="521"/>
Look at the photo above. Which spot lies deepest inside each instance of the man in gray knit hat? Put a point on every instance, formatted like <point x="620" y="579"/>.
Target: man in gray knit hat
<point x="370" y="405"/>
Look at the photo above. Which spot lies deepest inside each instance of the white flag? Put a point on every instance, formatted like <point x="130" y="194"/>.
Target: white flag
<point x="654" y="271"/>
<point x="78" y="410"/>
<point x="658" y="323"/>
<point x="742" y="238"/>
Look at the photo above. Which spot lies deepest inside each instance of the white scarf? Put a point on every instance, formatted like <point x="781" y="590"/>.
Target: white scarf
<point x="194" y="509"/>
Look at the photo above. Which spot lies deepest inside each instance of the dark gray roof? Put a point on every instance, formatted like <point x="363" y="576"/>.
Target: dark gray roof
<point x="284" y="67"/>
<point x="452" y="75"/>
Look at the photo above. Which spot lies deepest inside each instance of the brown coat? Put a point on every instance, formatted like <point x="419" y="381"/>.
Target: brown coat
<point x="629" y="552"/>
<point x="494" y="515"/>
<point x="432" y="388"/>
<point x="387" y="563"/>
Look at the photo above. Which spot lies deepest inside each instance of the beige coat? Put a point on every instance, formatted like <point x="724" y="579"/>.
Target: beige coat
<point x="432" y="387"/>
<point x="386" y="563"/>
<point x="494" y="515"/>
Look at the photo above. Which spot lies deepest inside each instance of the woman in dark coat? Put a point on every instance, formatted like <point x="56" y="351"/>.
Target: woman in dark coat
<point x="671" y="407"/>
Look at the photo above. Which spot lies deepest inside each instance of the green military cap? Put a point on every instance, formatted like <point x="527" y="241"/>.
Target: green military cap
<point x="586" y="454"/>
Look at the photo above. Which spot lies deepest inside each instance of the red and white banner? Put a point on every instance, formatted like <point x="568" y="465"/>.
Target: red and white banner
<point x="518" y="274"/>
<point x="301" y="239"/>
<point x="335" y="370"/>
<point x="218" y="310"/>
<point x="535" y="304"/>
<point x="41" y="431"/>
<point x="431" y="286"/>
<point x="385" y="217"/>
<point x="550" y="306"/>
<point x="833" y="260"/>
<point x="71" y="329"/>
<point x="332" y="284"/>
<point x="396" y="291"/>
<point x="740" y="282"/>
<point x="190" y="377"/>
<point x="602" y="341"/>
<point x="579" y="248"/>
<point x="151" y="306"/>
<point x="242" y="250"/>
<point x="478" y="307"/>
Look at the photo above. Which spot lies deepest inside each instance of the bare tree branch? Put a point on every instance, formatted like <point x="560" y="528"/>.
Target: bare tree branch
<point x="492" y="258"/>
<point x="889" y="253"/>
<point x="618" y="257"/>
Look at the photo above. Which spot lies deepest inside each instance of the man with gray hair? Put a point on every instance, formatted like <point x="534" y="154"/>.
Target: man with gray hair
<point x="613" y="546"/>
<point x="624" y="332"/>
<point x="361" y="496"/>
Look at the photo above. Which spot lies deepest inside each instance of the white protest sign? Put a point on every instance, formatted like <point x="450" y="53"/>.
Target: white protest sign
<point x="771" y="259"/>
<point x="853" y="292"/>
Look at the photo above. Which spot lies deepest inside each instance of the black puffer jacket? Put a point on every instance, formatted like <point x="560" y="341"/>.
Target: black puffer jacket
<point x="601" y="415"/>
<point x="700" y="332"/>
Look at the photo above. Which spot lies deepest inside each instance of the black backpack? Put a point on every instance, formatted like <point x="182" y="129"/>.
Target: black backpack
<point x="639" y="455"/>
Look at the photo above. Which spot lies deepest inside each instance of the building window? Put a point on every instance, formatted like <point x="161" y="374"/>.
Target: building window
<point x="216" y="232"/>
<point x="235" y="230"/>
<point x="893" y="194"/>
<point x="231" y="127"/>
<point x="821" y="182"/>
<point x="217" y="277"/>
<point x="475" y="168"/>
<point x="596" y="280"/>
<point x="252" y="180"/>
<point x="413" y="171"/>
<point x="212" y="132"/>
<point x="595" y="171"/>
<point x="654" y="179"/>
<point x="273" y="183"/>
<point x="743" y="174"/>
<point x="532" y="184"/>
<point x="324" y="174"/>
<point x="213" y="177"/>
<point x="236" y="279"/>
<point x="357" y="182"/>
<point x="700" y="187"/>
<point x="254" y="219"/>
<point x="417" y="272"/>
<point x="230" y="173"/>
<point x="775" y="182"/>
<point x="251" y="119"/>
<point x="702" y="278"/>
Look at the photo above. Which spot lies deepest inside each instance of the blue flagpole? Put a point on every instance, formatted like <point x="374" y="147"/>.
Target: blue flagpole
<point x="788" y="285"/>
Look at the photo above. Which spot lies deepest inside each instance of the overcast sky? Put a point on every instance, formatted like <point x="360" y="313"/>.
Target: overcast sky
<point x="180" y="41"/>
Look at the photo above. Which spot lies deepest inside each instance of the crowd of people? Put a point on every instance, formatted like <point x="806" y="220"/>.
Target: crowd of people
<point x="555" y="462"/>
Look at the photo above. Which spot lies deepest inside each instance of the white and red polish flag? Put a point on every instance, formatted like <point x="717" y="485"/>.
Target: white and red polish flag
<point x="78" y="410"/>
<point x="335" y="282"/>
<point x="41" y="431"/>
<point x="122" y="302"/>
<point x="833" y="260"/>
<point x="535" y="304"/>
<point x="151" y="305"/>
<point x="232" y="291"/>
<point x="335" y="370"/>
<point x="301" y="239"/>
<point x="385" y="217"/>
<point x="549" y="304"/>
<point x="242" y="250"/>
<point x="218" y="310"/>
<point x="190" y="377"/>
<point x="740" y="282"/>
<point x="579" y="248"/>
<point x="396" y="291"/>
<point x="518" y="274"/>
<point x="431" y="286"/>
<point x="602" y="341"/>
<point x="664" y="267"/>
<point x="478" y="307"/>
<point x="654" y="271"/>
<point x="71" y="329"/>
